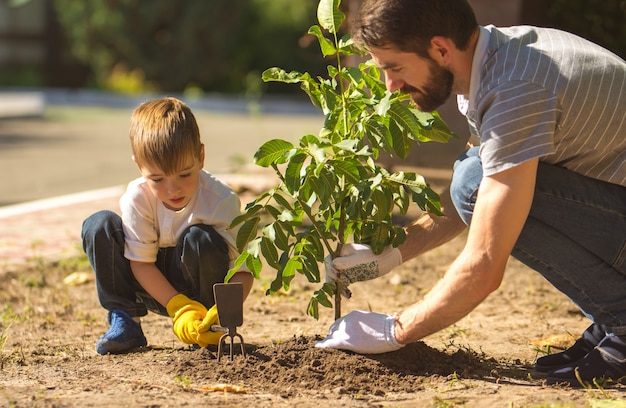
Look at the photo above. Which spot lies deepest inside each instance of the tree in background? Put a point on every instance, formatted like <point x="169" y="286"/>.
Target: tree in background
<point x="170" y="46"/>
<point x="600" y="21"/>
<point x="223" y="45"/>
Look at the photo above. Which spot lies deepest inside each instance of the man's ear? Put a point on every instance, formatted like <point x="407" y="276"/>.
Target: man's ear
<point x="202" y="155"/>
<point x="441" y="50"/>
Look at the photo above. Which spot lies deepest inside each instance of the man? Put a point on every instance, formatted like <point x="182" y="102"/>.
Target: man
<point x="547" y="183"/>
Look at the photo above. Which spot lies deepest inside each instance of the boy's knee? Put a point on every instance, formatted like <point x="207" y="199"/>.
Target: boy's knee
<point x="99" y="221"/>
<point x="206" y="238"/>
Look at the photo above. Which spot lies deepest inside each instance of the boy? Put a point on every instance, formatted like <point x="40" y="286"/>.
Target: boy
<point x="172" y="242"/>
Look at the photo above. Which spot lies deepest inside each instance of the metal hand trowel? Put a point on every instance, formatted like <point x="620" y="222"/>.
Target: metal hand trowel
<point x="229" y="301"/>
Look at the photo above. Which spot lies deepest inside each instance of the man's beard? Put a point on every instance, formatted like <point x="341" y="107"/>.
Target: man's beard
<point x="435" y="93"/>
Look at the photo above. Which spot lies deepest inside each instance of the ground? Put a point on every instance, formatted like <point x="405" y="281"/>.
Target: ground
<point x="49" y="328"/>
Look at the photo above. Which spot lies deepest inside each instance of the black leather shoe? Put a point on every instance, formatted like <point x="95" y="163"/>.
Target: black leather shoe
<point x="605" y="362"/>
<point x="589" y="339"/>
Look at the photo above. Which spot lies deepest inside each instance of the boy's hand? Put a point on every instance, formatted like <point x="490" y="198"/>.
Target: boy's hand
<point x="187" y="316"/>
<point x="209" y="320"/>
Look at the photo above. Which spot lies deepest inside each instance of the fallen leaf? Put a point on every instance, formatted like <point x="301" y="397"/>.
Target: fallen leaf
<point x="236" y="389"/>
<point x="558" y="341"/>
<point x="78" y="278"/>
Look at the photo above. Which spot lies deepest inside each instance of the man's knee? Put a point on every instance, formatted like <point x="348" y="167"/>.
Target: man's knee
<point x="466" y="179"/>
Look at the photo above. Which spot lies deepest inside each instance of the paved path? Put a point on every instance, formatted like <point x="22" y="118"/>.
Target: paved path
<point x="49" y="230"/>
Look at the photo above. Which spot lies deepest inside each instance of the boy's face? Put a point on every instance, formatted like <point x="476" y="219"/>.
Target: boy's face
<point x="176" y="190"/>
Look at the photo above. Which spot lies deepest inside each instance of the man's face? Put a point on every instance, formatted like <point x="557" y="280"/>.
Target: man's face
<point x="428" y="84"/>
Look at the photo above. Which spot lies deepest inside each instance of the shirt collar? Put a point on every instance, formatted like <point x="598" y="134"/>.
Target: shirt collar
<point x="465" y="102"/>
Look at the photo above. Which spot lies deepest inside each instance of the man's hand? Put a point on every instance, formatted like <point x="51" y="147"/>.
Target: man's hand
<point x="188" y="316"/>
<point x="363" y="333"/>
<point x="357" y="262"/>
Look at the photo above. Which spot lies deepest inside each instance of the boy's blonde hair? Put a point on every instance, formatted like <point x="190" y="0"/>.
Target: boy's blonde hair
<point x="164" y="134"/>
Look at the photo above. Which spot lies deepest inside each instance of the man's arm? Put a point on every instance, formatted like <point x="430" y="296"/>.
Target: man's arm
<point x="501" y="210"/>
<point x="430" y="231"/>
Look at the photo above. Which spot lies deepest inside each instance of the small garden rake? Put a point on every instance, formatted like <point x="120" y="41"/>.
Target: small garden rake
<point x="229" y="301"/>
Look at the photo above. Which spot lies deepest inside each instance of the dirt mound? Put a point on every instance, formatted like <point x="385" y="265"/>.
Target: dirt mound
<point x="296" y="366"/>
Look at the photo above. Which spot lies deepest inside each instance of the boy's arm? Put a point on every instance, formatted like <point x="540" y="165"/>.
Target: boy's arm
<point x="152" y="280"/>
<point x="246" y="279"/>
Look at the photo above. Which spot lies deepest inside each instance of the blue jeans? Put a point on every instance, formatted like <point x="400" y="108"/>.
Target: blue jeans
<point x="192" y="267"/>
<point x="575" y="235"/>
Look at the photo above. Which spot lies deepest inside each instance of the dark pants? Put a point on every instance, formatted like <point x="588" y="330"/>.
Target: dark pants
<point x="575" y="235"/>
<point x="193" y="266"/>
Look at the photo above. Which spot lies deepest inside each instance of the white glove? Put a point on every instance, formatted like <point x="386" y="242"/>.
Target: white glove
<point x="363" y="333"/>
<point x="357" y="262"/>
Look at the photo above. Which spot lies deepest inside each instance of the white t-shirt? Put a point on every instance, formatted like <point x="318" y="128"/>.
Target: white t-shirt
<point x="149" y="225"/>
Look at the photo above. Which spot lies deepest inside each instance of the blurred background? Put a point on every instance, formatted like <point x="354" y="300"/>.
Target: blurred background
<point x="216" y="46"/>
<point x="71" y="72"/>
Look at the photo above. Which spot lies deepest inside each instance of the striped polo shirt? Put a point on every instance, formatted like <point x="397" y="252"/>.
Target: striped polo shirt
<point x="547" y="94"/>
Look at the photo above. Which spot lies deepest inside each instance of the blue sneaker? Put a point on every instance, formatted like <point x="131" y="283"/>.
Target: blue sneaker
<point x="124" y="334"/>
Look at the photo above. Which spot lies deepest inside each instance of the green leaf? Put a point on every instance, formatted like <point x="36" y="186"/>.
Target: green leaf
<point x="272" y="152"/>
<point x="293" y="265"/>
<point x="247" y="233"/>
<point x="379" y="236"/>
<point x="383" y="106"/>
<point x="280" y="237"/>
<point x="241" y="259"/>
<point x="408" y="178"/>
<point x="436" y="131"/>
<point x="312" y="308"/>
<point x="378" y="134"/>
<point x="347" y="47"/>
<point x="353" y="74"/>
<point x="383" y="205"/>
<point x="250" y="211"/>
<point x="282" y="201"/>
<point x="254" y="265"/>
<point x="269" y="252"/>
<point x="253" y="247"/>
<point x="405" y="119"/>
<point x="309" y="266"/>
<point x="326" y="46"/>
<point x="293" y="179"/>
<point x="401" y="144"/>
<point x="329" y="16"/>
<point x="346" y="168"/>
<point x="348" y="144"/>
<point x="280" y="75"/>
<point x="428" y="201"/>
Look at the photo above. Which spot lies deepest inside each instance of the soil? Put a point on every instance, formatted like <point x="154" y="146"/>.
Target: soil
<point x="49" y="329"/>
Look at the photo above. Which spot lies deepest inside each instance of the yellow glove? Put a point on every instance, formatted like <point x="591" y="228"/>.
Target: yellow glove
<point x="187" y="316"/>
<point x="209" y="320"/>
<point x="205" y="335"/>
